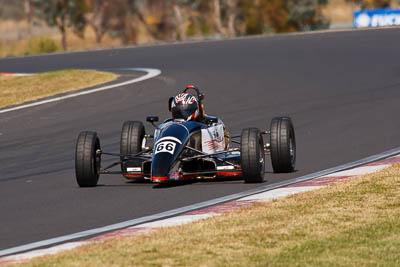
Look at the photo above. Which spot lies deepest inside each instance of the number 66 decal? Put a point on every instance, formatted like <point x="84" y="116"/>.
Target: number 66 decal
<point x="165" y="146"/>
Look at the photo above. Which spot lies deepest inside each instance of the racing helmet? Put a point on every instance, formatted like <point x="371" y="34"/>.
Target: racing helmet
<point x="185" y="107"/>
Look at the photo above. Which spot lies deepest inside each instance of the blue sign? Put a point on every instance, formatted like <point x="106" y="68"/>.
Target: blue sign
<point x="376" y="18"/>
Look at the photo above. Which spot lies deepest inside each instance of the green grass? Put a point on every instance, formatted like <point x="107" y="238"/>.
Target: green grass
<point x="353" y="223"/>
<point x="17" y="90"/>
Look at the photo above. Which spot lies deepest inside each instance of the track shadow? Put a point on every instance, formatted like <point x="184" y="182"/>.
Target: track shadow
<point x="172" y="184"/>
<point x="220" y="180"/>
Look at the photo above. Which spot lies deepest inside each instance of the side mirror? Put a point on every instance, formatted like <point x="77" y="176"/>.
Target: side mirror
<point x="201" y="96"/>
<point x="170" y="102"/>
<point x="152" y="119"/>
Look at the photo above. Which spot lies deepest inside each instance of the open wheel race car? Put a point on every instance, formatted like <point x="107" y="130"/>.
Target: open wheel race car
<point x="191" y="149"/>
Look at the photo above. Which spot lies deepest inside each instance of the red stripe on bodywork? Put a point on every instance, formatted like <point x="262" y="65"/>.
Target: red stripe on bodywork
<point x="162" y="178"/>
<point x="133" y="175"/>
<point x="229" y="173"/>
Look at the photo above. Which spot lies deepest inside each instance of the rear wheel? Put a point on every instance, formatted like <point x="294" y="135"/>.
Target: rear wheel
<point x="252" y="155"/>
<point x="283" y="145"/>
<point x="87" y="162"/>
<point x="132" y="136"/>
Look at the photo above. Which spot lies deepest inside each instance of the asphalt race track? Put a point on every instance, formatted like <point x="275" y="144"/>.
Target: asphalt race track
<point x="342" y="90"/>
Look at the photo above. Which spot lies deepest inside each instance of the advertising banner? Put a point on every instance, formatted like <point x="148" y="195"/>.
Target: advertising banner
<point x="376" y="18"/>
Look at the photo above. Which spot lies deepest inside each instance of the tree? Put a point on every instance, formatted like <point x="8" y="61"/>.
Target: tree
<point x="63" y="14"/>
<point x="117" y="20"/>
<point x="180" y="20"/>
<point x="231" y="11"/>
<point x="12" y="10"/>
<point x="140" y="8"/>
<point x="99" y="16"/>
<point x="306" y="14"/>
<point x="294" y="15"/>
<point x="28" y="13"/>
<point x="369" y="4"/>
<point x="252" y="16"/>
<point x="225" y="16"/>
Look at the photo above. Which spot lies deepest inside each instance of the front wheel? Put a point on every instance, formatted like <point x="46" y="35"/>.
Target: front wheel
<point x="87" y="162"/>
<point x="252" y="155"/>
<point x="282" y="145"/>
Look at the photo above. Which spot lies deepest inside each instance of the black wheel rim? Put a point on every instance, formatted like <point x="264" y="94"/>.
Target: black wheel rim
<point x="97" y="158"/>
<point x="262" y="160"/>
<point x="292" y="149"/>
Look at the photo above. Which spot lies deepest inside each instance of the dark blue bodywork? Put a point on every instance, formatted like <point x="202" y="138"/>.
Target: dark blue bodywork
<point x="177" y="133"/>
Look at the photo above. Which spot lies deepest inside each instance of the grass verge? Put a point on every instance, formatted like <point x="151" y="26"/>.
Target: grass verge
<point x="351" y="223"/>
<point x="17" y="90"/>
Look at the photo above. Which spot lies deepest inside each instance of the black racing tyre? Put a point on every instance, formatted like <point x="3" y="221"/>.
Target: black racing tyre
<point x="282" y="145"/>
<point x="132" y="136"/>
<point x="252" y="155"/>
<point x="87" y="162"/>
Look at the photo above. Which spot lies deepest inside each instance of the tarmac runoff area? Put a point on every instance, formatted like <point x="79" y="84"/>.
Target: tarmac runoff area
<point x="216" y="210"/>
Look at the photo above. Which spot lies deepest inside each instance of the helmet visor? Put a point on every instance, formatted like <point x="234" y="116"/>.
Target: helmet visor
<point x="183" y="111"/>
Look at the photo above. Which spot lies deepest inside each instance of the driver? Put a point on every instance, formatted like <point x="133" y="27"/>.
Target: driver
<point x="186" y="107"/>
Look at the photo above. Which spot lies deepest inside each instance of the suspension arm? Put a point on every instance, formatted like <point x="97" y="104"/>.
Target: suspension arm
<point x="213" y="155"/>
<point x="127" y="156"/>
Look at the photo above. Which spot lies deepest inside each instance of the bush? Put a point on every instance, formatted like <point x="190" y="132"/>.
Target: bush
<point x="282" y="15"/>
<point x="370" y="4"/>
<point x="41" y="45"/>
<point x="295" y="15"/>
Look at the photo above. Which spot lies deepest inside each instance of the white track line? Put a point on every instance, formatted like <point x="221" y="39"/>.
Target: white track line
<point x="359" y="171"/>
<point x="175" y="221"/>
<point x="151" y="73"/>
<point x="279" y="193"/>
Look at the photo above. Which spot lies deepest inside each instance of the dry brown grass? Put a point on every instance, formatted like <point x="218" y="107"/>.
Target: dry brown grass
<point x="20" y="47"/>
<point x="351" y="223"/>
<point x="17" y="90"/>
<point x="14" y="40"/>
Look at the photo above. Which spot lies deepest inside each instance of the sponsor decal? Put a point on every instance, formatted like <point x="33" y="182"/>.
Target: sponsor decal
<point x="225" y="168"/>
<point x="165" y="146"/>
<point x="363" y="20"/>
<point x="213" y="139"/>
<point x="134" y="169"/>
<point x="174" y="176"/>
